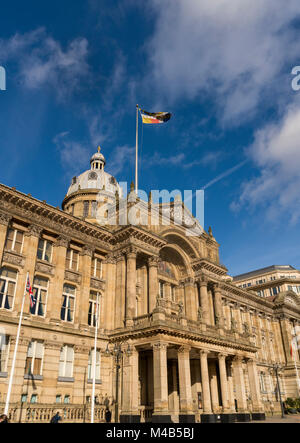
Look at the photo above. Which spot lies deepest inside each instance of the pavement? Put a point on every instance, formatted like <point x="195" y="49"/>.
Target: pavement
<point x="278" y="419"/>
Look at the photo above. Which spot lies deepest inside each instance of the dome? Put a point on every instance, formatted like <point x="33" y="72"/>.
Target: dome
<point x="95" y="178"/>
<point x="98" y="157"/>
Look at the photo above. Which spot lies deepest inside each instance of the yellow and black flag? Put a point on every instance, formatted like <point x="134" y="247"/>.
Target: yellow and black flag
<point x="152" y="118"/>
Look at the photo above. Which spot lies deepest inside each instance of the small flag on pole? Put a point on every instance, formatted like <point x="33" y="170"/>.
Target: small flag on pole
<point x="29" y="290"/>
<point x="151" y="118"/>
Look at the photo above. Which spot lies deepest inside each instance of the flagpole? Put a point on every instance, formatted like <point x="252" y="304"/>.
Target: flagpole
<point x="15" y="352"/>
<point x="137" y="150"/>
<point x="94" y="363"/>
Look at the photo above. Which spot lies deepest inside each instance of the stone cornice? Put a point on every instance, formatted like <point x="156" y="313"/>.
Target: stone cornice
<point x="27" y="208"/>
<point x="132" y="233"/>
<point x="204" y="264"/>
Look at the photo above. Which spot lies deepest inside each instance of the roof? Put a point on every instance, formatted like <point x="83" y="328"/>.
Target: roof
<point x="263" y="271"/>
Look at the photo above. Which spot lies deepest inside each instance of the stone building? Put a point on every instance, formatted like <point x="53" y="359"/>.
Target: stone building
<point x="178" y="340"/>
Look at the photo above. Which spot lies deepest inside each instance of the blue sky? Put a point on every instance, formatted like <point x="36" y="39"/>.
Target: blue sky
<point x="75" y="71"/>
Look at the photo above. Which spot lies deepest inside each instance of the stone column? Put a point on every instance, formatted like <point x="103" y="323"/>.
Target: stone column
<point x="57" y="283"/>
<point x="285" y="328"/>
<point x="82" y="388"/>
<point x="224" y="383"/>
<point x="108" y="301"/>
<point x="4" y="223"/>
<point x="218" y="306"/>
<point x="120" y="291"/>
<point x="161" y="412"/>
<point x="204" y="301"/>
<point x="214" y="387"/>
<point x="231" y="396"/>
<point x="131" y="286"/>
<point x="175" y="396"/>
<point x="50" y="370"/>
<point x="144" y="293"/>
<point x="258" y="409"/>
<point x="19" y="373"/>
<point x="153" y="282"/>
<point x="239" y="383"/>
<point x="207" y="410"/>
<point x="82" y="302"/>
<point x="186" y="400"/>
<point x="190" y="299"/>
<point x="31" y="240"/>
<point x="130" y="386"/>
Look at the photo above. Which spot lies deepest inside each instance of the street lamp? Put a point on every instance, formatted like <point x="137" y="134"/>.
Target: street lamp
<point x="117" y="353"/>
<point x="277" y="368"/>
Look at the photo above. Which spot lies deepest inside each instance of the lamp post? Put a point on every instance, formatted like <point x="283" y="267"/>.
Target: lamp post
<point x="117" y="353"/>
<point x="277" y="368"/>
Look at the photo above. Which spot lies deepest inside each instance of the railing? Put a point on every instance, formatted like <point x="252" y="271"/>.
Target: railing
<point x="42" y="413"/>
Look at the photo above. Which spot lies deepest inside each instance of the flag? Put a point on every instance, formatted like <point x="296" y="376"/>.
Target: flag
<point x="151" y="118"/>
<point x="29" y="290"/>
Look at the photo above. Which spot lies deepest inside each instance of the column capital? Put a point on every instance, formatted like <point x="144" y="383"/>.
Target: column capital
<point x="62" y="241"/>
<point x="131" y="252"/>
<point x="33" y="231"/>
<point x="158" y="346"/>
<point x="153" y="261"/>
<point x="5" y="219"/>
<point x="203" y="352"/>
<point x="222" y="356"/>
<point x="119" y="256"/>
<point x="238" y="358"/>
<point x="86" y="250"/>
<point x="184" y="349"/>
<point x="110" y="259"/>
<point x="189" y="281"/>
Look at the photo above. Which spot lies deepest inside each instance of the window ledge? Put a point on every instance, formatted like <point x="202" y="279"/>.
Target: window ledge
<point x="66" y="379"/>
<point x="3" y="374"/>
<point x="98" y="382"/>
<point x="33" y="377"/>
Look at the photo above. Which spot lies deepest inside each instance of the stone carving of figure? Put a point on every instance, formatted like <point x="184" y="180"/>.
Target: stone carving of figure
<point x="180" y="308"/>
<point x="200" y="313"/>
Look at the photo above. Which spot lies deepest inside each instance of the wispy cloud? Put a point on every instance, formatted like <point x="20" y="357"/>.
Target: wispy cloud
<point x="276" y="154"/>
<point x="234" y="52"/>
<point x="41" y="61"/>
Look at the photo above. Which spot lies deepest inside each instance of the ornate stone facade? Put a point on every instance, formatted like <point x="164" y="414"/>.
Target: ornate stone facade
<point x="192" y="345"/>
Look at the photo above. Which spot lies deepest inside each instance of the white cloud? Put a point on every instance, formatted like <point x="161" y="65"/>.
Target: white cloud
<point x="41" y="61"/>
<point x="235" y="51"/>
<point x="276" y="152"/>
<point x="74" y="156"/>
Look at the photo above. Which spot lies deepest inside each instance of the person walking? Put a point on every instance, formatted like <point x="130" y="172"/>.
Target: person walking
<point x="107" y="415"/>
<point x="56" y="418"/>
<point x="4" y="419"/>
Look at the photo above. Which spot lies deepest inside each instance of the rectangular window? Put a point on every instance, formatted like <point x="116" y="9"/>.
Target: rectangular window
<point x="8" y="281"/>
<point x="33" y="399"/>
<point x="66" y="361"/>
<point x="40" y="289"/>
<point x="96" y="268"/>
<point x="44" y="250"/>
<point x="94" y="209"/>
<point x="72" y="260"/>
<point x="4" y="351"/>
<point x="90" y="365"/>
<point x="92" y="309"/>
<point x="172" y="292"/>
<point x="161" y="289"/>
<point x="58" y="399"/>
<point x="34" y="358"/>
<point x="86" y="206"/>
<point x="67" y="400"/>
<point x="68" y="303"/>
<point x="14" y="240"/>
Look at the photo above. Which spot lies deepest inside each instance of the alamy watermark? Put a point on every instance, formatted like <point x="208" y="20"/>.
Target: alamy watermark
<point x="162" y="208"/>
<point x="2" y="79"/>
